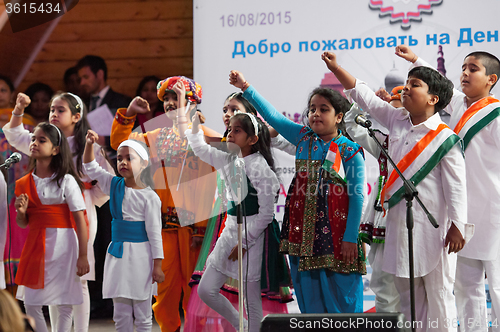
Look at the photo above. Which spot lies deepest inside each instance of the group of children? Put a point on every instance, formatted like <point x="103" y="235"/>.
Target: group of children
<point x="157" y="228"/>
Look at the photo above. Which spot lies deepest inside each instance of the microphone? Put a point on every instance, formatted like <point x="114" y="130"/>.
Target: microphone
<point x="239" y="167"/>
<point x="14" y="158"/>
<point x="363" y="121"/>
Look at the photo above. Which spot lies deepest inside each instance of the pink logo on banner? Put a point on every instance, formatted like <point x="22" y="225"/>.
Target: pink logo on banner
<point x="403" y="11"/>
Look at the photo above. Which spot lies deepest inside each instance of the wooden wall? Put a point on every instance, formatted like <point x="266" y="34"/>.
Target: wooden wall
<point x="135" y="37"/>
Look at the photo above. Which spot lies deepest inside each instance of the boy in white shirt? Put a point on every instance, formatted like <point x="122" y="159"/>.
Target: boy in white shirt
<point x="425" y="150"/>
<point x="474" y="117"/>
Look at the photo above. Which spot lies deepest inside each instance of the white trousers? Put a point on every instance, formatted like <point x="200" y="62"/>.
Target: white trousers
<point x="434" y="300"/>
<point x="62" y="324"/>
<point x="382" y="283"/>
<point x="81" y="312"/>
<point x="208" y="291"/>
<point x="128" y="312"/>
<point x="471" y="295"/>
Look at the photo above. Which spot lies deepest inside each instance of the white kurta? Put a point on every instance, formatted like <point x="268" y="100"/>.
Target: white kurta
<point x="442" y="191"/>
<point x="131" y="276"/>
<point x="3" y="226"/>
<point x="266" y="184"/>
<point x="61" y="284"/>
<point x="20" y="138"/>
<point x="483" y="182"/>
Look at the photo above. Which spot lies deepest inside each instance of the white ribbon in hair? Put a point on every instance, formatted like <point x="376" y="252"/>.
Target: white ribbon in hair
<point x="141" y="151"/>
<point x="253" y="119"/>
<point x="78" y="100"/>
<point x="58" y="134"/>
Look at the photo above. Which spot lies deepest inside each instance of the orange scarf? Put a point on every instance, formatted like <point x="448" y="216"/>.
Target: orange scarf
<point x="32" y="263"/>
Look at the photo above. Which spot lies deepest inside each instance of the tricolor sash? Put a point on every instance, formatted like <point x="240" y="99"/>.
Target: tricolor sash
<point x="333" y="162"/>
<point x="476" y="117"/>
<point x="420" y="161"/>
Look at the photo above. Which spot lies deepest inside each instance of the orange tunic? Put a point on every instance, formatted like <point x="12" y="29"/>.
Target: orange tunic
<point x="185" y="184"/>
<point x="32" y="264"/>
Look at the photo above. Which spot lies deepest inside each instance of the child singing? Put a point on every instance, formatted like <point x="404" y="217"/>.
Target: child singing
<point x="133" y="260"/>
<point x="247" y="134"/>
<point x="322" y="212"/>
<point x="49" y="200"/>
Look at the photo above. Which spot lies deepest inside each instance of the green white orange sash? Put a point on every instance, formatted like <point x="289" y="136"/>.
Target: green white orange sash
<point x="478" y="116"/>
<point x="420" y="161"/>
<point x="333" y="162"/>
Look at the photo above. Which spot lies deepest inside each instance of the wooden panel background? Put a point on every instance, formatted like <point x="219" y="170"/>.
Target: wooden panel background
<point x="136" y="38"/>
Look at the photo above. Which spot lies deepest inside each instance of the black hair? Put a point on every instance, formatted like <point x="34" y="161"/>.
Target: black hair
<point x="8" y="81"/>
<point x="95" y="63"/>
<point x="263" y="145"/>
<point x="249" y="108"/>
<point x="67" y="74"/>
<point x="339" y="103"/>
<point x="438" y="85"/>
<point x="81" y="127"/>
<point x="146" y="79"/>
<point x="489" y="61"/>
<point x="61" y="163"/>
<point x="33" y="89"/>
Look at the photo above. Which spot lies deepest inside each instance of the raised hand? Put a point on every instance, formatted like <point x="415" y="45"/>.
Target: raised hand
<point x="406" y="53"/>
<point x="330" y="59"/>
<point x="138" y="105"/>
<point x="22" y="101"/>
<point x="196" y="123"/>
<point x="92" y="137"/>
<point x="237" y="79"/>
<point x="179" y="88"/>
<point x="383" y="94"/>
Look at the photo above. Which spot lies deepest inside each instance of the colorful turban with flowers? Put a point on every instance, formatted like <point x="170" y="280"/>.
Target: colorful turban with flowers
<point x="193" y="89"/>
<point x="396" y="92"/>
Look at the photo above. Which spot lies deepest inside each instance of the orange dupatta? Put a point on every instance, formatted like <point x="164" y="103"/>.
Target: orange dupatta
<point x="31" y="269"/>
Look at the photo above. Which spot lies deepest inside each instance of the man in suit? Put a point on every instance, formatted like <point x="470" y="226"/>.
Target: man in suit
<point x="93" y="74"/>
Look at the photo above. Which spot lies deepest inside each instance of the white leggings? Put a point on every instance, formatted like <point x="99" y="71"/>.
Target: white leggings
<point x="208" y="291"/>
<point x="128" y="312"/>
<point x="81" y="312"/>
<point x="63" y="323"/>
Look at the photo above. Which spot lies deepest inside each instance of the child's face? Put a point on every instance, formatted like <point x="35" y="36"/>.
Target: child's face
<point x="40" y="107"/>
<point x="148" y="92"/>
<point x="415" y="96"/>
<point x="128" y="163"/>
<point x="41" y="146"/>
<point x="473" y="80"/>
<point x="60" y="114"/>
<point x="322" y="118"/>
<point x="230" y="106"/>
<point x="5" y="94"/>
<point x="238" y="138"/>
<point x="170" y="104"/>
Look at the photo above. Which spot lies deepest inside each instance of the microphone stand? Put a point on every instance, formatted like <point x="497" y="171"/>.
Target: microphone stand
<point x="239" y="221"/>
<point x="411" y="193"/>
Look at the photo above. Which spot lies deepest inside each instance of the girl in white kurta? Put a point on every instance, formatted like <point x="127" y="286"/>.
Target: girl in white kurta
<point x="66" y="113"/>
<point x="133" y="260"/>
<point x="247" y="133"/>
<point x="53" y="258"/>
